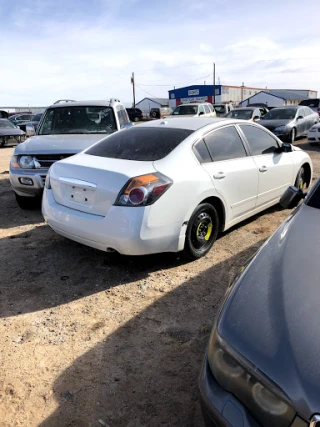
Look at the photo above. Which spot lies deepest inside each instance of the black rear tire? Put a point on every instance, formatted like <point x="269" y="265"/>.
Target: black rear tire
<point x="293" y="135"/>
<point x="28" y="203"/>
<point x="202" y="231"/>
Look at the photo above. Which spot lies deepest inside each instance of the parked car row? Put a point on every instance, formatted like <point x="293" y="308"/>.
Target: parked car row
<point x="174" y="185"/>
<point x="9" y="133"/>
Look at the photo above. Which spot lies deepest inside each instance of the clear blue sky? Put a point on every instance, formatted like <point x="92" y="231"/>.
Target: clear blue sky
<point x="78" y="49"/>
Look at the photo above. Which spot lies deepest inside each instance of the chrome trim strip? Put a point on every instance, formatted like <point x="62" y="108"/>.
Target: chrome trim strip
<point x="77" y="182"/>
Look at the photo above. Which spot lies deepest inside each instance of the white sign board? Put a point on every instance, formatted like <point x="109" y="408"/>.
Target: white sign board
<point x="194" y="99"/>
<point x="193" y="92"/>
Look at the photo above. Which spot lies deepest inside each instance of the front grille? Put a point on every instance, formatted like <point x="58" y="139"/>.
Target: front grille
<point x="46" y="160"/>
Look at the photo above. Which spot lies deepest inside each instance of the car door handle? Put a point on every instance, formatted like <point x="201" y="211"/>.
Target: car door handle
<point x="219" y="175"/>
<point x="263" y="169"/>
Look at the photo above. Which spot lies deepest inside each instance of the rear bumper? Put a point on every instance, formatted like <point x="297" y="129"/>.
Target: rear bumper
<point x="38" y="178"/>
<point x="220" y="408"/>
<point x="123" y="229"/>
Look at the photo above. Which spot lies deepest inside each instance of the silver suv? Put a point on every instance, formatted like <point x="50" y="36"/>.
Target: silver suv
<point x="65" y="129"/>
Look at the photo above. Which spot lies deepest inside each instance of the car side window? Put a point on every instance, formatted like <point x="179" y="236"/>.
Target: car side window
<point x="260" y="142"/>
<point x="210" y="108"/>
<point x="201" y="109"/>
<point x="201" y="151"/>
<point x="306" y="111"/>
<point x="300" y="112"/>
<point x="225" y="144"/>
<point x="206" y="109"/>
<point x="123" y="117"/>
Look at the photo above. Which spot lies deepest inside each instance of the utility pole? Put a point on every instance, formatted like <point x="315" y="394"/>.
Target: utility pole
<point x="133" y="90"/>
<point x="214" y="83"/>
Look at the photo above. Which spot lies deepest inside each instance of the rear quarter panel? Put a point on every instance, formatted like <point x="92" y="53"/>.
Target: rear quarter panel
<point x="191" y="185"/>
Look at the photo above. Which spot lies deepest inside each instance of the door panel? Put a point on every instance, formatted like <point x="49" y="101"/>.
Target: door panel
<point x="233" y="173"/>
<point x="275" y="175"/>
<point x="237" y="183"/>
<point x="275" y="168"/>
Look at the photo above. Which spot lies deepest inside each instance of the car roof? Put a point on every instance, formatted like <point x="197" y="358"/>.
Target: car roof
<point x="246" y="108"/>
<point x="98" y="103"/>
<point x="191" y="123"/>
<point x="193" y="103"/>
<point x="295" y="107"/>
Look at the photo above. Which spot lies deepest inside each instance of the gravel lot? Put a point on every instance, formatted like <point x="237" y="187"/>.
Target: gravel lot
<point x="88" y="336"/>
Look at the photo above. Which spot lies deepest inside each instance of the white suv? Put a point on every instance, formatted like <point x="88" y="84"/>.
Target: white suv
<point x="194" y="110"/>
<point x="65" y="129"/>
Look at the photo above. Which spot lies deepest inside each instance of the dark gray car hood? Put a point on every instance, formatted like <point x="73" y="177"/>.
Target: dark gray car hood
<point x="11" y="131"/>
<point x="59" y="144"/>
<point x="272" y="124"/>
<point x="273" y="315"/>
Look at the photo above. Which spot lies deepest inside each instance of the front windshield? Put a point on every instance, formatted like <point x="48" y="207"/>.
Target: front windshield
<point x="280" y="114"/>
<point x="240" y="114"/>
<point x="6" y="124"/>
<point x="78" y="120"/>
<point x="185" y="110"/>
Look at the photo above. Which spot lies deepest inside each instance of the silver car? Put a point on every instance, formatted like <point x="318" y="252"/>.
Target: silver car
<point x="64" y="130"/>
<point x="289" y="122"/>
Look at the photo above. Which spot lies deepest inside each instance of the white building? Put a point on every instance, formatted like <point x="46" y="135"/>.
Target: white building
<point x="146" y="104"/>
<point x="278" y="97"/>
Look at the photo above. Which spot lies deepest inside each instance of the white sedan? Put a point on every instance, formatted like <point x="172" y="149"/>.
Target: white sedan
<point x="314" y="135"/>
<point x="170" y="185"/>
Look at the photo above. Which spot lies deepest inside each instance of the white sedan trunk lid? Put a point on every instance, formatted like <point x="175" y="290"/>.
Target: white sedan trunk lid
<point x="91" y="184"/>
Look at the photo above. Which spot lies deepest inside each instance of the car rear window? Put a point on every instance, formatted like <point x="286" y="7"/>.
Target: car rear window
<point x="312" y="103"/>
<point x="139" y="143"/>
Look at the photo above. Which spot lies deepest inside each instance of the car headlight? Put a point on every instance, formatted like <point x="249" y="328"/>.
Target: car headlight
<point x="281" y="129"/>
<point x="313" y="129"/>
<point x="26" y="162"/>
<point x="266" y="403"/>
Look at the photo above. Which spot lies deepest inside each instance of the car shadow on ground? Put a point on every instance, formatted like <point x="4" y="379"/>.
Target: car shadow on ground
<point x="145" y="373"/>
<point x="305" y="146"/>
<point x="44" y="270"/>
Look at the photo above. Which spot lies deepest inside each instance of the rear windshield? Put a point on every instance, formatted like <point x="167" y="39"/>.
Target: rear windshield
<point x="141" y="144"/>
<point x="240" y="114"/>
<point x="184" y="110"/>
<point x="219" y="108"/>
<point x="312" y="103"/>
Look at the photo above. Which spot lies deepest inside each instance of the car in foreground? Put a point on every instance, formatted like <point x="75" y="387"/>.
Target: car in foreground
<point x="170" y="185"/>
<point x="289" y="122"/>
<point x="313" y="103"/>
<point x="252" y="114"/>
<point x="10" y="134"/>
<point x="314" y="135"/>
<point x="135" y="114"/>
<point x="194" y="110"/>
<point x="66" y="129"/>
<point x="262" y="365"/>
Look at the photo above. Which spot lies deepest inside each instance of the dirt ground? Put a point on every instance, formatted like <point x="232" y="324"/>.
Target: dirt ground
<point x="88" y="336"/>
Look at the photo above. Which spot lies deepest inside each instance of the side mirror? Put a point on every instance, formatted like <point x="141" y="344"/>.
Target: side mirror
<point x="299" y="117"/>
<point x="256" y="118"/>
<point x="201" y="113"/>
<point x="30" y="130"/>
<point x="291" y="197"/>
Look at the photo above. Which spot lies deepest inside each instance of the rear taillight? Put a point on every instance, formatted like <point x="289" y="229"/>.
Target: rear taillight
<point x="143" y="190"/>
